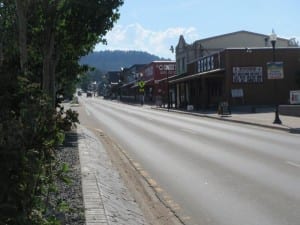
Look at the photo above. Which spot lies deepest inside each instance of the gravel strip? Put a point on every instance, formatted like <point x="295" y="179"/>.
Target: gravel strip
<point x="71" y="194"/>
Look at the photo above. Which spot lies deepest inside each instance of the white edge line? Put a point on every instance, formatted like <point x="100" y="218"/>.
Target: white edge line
<point x="293" y="163"/>
<point x="188" y="131"/>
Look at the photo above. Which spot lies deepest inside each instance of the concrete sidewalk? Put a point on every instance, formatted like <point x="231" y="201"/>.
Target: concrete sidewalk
<point x="107" y="200"/>
<point x="263" y="118"/>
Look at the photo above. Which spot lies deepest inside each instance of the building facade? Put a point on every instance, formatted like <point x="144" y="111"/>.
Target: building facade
<point x="156" y="75"/>
<point x="130" y="76"/>
<point x="235" y="68"/>
<point x="153" y="78"/>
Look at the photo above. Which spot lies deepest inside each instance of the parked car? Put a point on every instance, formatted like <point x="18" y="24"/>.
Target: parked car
<point x="89" y="94"/>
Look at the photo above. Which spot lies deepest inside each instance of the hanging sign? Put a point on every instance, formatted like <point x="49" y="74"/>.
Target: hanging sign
<point x="275" y="70"/>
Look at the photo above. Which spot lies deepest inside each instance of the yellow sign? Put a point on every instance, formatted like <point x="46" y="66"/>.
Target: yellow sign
<point x="141" y="84"/>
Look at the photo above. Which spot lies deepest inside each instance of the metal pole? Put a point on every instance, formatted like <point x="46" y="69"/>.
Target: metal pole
<point x="277" y="119"/>
<point x="168" y="91"/>
<point x="273" y="47"/>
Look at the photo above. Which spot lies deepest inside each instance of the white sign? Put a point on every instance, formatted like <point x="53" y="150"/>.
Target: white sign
<point x="250" y="74"/>
<point x="166" y="67"/>
<point x="295" y="97"/>
<point x="237" y="93"/>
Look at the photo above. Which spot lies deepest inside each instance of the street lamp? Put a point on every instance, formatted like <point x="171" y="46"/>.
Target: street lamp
<point x="273" y="39"/>
<point x="168" y="87"/>
<point x="168" y="91"/>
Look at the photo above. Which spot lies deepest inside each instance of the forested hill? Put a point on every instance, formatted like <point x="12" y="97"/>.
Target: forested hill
<point x="114" y="60"/>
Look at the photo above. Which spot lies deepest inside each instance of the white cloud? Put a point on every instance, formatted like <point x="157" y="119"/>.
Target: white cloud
<point x="136" y="37"/>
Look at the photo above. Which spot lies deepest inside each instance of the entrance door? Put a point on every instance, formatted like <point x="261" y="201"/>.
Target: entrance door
<point x="215" y="91"/>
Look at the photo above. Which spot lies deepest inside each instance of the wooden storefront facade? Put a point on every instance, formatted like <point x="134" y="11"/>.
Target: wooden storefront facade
<point x="239" y="76"/>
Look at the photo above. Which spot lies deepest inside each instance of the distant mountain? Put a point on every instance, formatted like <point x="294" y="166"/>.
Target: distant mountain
<point x="114" y="60"/>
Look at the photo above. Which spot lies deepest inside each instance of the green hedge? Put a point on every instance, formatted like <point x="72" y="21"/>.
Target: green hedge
<point x="29" y="133"/>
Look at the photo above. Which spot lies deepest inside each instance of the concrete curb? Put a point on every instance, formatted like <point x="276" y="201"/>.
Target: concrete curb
<point x="288" y="129"/>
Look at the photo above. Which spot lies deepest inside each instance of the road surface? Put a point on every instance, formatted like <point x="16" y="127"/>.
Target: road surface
<point x="216" y="173"/>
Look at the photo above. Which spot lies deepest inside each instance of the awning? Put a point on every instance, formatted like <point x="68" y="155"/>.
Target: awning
<point x="128" y="84"/>
<point x="166" y="78"/>
<point x="197" y="75"/>
<point x="149" y="82"/>
<point x="134" y="86"/>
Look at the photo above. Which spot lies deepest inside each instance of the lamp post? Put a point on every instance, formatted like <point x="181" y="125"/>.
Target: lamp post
<point x="273" y="39"/>
<point x="168" y="91"/>
<point x="168" y="87"/>
<point x="140" y="86"/>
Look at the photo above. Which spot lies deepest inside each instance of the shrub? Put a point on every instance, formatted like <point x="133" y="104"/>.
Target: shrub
<point x="29" y="133"/>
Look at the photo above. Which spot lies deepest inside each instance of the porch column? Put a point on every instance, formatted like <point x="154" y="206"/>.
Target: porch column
<point x="203" y="94"/>
<point x="187" y="92"/>
<point x="177" y="95"/>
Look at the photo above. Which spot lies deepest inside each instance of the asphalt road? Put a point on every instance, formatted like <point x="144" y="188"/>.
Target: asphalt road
<point x="217" y="172"/>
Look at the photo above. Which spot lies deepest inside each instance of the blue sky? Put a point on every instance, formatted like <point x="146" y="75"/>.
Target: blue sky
<point x="155" y="25"/>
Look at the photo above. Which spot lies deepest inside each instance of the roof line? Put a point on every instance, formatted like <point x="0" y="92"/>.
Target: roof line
<point x="235" y="32"/>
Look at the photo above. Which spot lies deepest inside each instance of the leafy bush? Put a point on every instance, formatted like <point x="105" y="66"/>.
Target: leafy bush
<point x="27" y="142"/>
<point x="39" y="55"/>
<point x="67" y="120"/>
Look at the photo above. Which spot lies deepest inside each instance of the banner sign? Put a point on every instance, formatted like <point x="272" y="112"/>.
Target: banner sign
<point x="250" y="74"/>
<point x="275" y="70"/>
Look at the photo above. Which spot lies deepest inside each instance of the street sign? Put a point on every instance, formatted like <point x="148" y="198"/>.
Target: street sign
<point x="141" y="84"/>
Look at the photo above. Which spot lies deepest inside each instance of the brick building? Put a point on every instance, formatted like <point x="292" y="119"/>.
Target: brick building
<point x="154" y="76"/>
<point x="129" y="78"/>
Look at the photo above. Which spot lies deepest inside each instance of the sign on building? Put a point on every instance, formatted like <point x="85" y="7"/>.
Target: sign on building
<point x="275" y="70"/>
<point x="251" y="74"/>
<point x="295" y="97"/>
<point x="206" y="64"/>
<point x="237" y="93"/>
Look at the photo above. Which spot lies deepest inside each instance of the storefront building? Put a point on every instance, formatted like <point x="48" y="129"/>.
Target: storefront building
<point x="235" y="74"/>
<point x="155" y="76"/>
<point x="129" y="77"/>
<point x="148" y="81"/>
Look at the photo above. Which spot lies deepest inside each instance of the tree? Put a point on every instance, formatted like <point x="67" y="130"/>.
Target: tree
<point x="41" y="42"/>
<point x="65" y="30"/>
